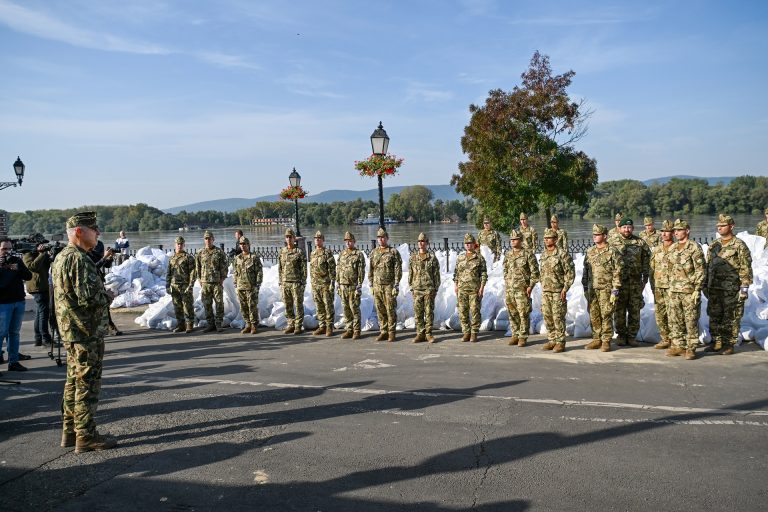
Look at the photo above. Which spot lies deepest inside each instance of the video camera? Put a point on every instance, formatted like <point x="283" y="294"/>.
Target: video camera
<point x="31" y="242"/>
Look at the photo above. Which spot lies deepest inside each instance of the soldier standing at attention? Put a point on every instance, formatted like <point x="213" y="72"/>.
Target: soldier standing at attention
<point x="424" y="280"/>
<point x="292" y="272"/>
<point x="729" y="274"/>
<point x="490" y="237"/>
<point x="81" y="310"/>
<point x="614" y="235"/>
<point x="249" y="274"/>
<point x="350" y="274"/>
<point x="469" y="277"/>
<point x="562" y="235"/>
<point x="762" y="227"/>
<point x="178" y="283"/>
<point x="634" y="276"/>
<point x="660" y="275"/>
<point x="521" y="273"/>
<point x="686" y="280"/>
<point x="384" y="272"/>
<point x="322" y="272"/>
<point x="211" y="270"/>
<point x="530" y="237"/>
<point x="601" y="279"/>
<point x="557" y="275"/>
<point x="650" y="236"/>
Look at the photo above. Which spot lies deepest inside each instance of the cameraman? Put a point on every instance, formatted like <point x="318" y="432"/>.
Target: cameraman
<point x="13" y="273"/>
<point x="39" y="263"/>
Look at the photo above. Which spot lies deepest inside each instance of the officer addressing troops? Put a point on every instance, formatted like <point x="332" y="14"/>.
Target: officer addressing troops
<point x="601" y="279"/>
<point x="562" y="235"/>
<point x="686" y="281"/>
<point x="384" y="273"/>
<point x="660" y="276"/>
<point x="557" y="275"/>
<point x="469" y="277"/>
<point x="81" y="303"/>
<point x="249" y="274"/>
<point x="521" y="273"/>
<point x="729" y="274"/>
<point x="211" y="269"/>
<point x="762" y="227"/>
<point x="292" y="272"/>
<point x="322" y="272"/>
<point x="490" y="238"/>
<point x="424" y="280"/>
<point x="350" y="273"/>
<point x="634" y="276"/>
<point x="649" y="235"/>
<point x="179" y="282"/>
<point x="530" y="237"/>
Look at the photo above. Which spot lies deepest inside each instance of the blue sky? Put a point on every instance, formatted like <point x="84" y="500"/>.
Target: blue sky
<point x="174" y="102"/>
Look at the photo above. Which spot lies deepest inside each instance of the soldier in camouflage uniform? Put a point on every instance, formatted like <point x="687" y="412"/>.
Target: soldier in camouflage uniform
<point x="82" y="306"/>
<point x="762" y="228"/>
<point x="634" y="276"/>
<point x="521" y="273"/>
<point x="384" y="273"/>
<point x="322" y="271"/>
<point x="490" y="238"/>
<point x="562" y="235"/>
<point x="469" y="277"/>
<point x="660" y="275"/>
<point x="249" y="273"/>
<point x="650" y="236"/>
<point x="424" y="280"/>
<point x="292" y="272"/>
<point x="688" y="273"/>
<point x="729" y="274"/>
<point x="530" y="237"/>
<point x="179" y="281"/>
<point x="614" y="235"/>
<point x="350" y="273"/>
<point x="211" y="269"/>
<point x="601" y="279"/>
<point x="557" y="275"/>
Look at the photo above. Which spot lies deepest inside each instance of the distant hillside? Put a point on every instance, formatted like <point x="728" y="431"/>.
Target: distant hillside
<point x="725" y="180"/>
<point x="444" y="192"/>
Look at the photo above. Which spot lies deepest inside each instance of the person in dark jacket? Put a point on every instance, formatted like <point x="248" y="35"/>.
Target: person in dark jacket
<point x="13" y="273"/>
<point x="39" y="263"/>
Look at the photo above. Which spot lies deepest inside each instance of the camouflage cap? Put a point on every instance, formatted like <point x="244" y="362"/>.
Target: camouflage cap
<point x="208" y="234"/>
<point x="289" y="232"/>
<point x="554" y="218"/>
<point x="667" y="226"/>
<point x="626" y="222"/>
<point x="381" y="232"/>
<point x="319" y="234"/>
<point x="486" y="220"/>
<point x="724" y="220"/>
<point x="647" y="221"/>
<point x="550" y="233"/>
<point x="84" y="219"/>
<point x="515" y="235"/>
<point x="349" y="236"/>
<point x="617" y="217"/>
<point x="244" y="241"/>
<point x="599" y="229"/>
<point x="469" y="239"/>
<point x="423" y="237"/>
<point x="523" y="216"/>
<point x="180" y="240"/>
<point x="681" y="224"/>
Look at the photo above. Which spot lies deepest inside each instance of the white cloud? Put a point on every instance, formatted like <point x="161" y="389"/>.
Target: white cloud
<point x="417" y="91"/>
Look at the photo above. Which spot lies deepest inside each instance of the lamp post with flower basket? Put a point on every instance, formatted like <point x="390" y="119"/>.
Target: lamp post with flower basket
<point x="379" y="164"/>
<point x="295" y="192"/>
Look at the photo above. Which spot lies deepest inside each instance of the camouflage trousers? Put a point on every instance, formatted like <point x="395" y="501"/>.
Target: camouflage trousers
<point x="210" y="294"/>
<point x="601" y="315"/>
<point x="469" y="311"/>
<point x="519" y="310"/>
<point x="350" y="300"/>
<point x="661" y="298"/>
<point x="424" y="310"/>
<point x="183" y="304"/>
<point x="82" y="387"/>
<point x="554" y="308"/>
<point x="293" y="297"/>
<point x="683" y="309"/>
<point x="322" y="294"/>
<point x="249" y="305"/>
<point x="386" y="306"/>
<point x="725" y="309"/>
<point x="626" y="313"/>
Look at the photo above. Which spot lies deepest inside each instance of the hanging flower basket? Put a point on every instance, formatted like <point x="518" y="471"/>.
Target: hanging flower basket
<point x="379" y="165"/>
<point x="291" y="193"/>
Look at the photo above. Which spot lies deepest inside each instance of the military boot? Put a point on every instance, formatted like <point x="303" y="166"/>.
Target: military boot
<point x="605" y="346"/>
<point x="419" y="338"/>
<point x="298" y="330"/>
<point x="391" y="336"/>
<point x="190" y="326"/>
<point x="219" y="328"/>
<point x="690" y="354"/>
<point x="254" y="328"/>
<point x="288" y="330"/>
<point x="320" y="330"/>
<point x="94" y="443"/>
<point x="548" y="345"/>
<point x="521" y="342"/>
<point x="592" y="345"/>
<point x="210" y="328"/>
<point x="382" y="336"/>
<point x="728" y="350"/>
<point x="68" y="439"/>
<point x="246" y="329"/>
<point x="632" y="342"/>
<point x="621" y="341"/>
<point x="356" y="335"/>
<point x="513" y="340"/>
<point x="180" y="328"/>
<point x="329" y="331"/>
<point x="559" y="347"/>
<point x="717" y="346"/>
<point x="346" y="335"/>
<point x="675" y="351"/>
<point x="663" y="344"/>
<point x="430" y="338"/>
<point x="473" y="337"/>
<point x="466" y="337"/>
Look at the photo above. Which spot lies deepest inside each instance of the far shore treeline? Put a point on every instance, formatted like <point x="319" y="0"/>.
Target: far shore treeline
<point x="675" y="198"/>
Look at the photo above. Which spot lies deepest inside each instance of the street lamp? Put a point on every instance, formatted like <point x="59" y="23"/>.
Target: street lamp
<point x="18" y="168"/>
<point x="379" y="145"/>
<point x="295" y="180"/>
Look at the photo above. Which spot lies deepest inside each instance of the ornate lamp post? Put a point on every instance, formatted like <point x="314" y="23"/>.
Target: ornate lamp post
<point x="295" y="180"/>
<point x="18" y="168"/>
<point x="379" y="145"/>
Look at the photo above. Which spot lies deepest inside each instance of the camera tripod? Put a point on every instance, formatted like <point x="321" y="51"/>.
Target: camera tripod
<point x="55" y="334"/>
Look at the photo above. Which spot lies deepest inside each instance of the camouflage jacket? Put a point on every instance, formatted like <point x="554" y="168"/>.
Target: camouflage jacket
<point x="687" y="267"/>
<point x="211" y="265"/>
<point x="181" y="270"/>
<point x="423" y="272"/>
<point x="385" y="266"/>
<point x="491" y="239"/>
<point x="470" y="273"/>
<point x="661" y="261"/>
<point x="292" y="266"/>
<point x="350" y="270"/>
<point x="762" y="229"/>
<point x="729" y="265"/>
<point x="557" y="270"/>
<point x="637" y="258"/>
<point x="249" y="272"/>
<point x="530" y="238"/>
<point x="562" y="239"/>
<point x="322" y="266"/>
<point x="81" y="302"/>
<point x="614" y="236"/>
<point x="652" y="239"/>
<point x="521" y="270"/>
<point x="602" y="268"/>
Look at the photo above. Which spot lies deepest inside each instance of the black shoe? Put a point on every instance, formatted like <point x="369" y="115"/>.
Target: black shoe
<point x="16" y="367"/>
<point x="24" y="357"/>
<point x="38" y="343"/>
